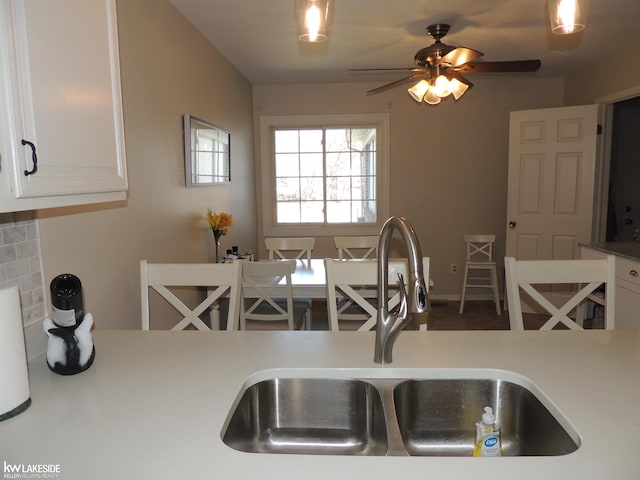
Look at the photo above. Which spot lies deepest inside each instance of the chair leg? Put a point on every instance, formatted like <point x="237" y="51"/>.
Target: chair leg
<point x="308" y="317"/>
<point x="581" y="312"/>
<point x="464" y="288"/>
<point x="496" y="294"/>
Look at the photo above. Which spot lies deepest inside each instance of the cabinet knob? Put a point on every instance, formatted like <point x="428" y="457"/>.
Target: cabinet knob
<point x="633" y="273"/>
<point x="34" y="158"/>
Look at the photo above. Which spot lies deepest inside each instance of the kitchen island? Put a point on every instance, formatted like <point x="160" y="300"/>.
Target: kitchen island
<point x="154" y="404"/>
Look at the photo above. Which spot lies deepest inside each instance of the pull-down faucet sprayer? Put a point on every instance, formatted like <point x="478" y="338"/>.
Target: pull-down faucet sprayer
<point x="390" y="324"/>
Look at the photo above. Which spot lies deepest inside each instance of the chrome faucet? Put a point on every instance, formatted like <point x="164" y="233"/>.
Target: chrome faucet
<point x="390" y="324"/>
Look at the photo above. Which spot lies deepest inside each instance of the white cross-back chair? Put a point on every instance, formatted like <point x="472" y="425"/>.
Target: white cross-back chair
<point x="219" y="279"/>
<point x="290" y="247"/>
<point x="354" y="247"/>
<point x="263" y="299"/>
<point x="346" y="279"/>
<point x="357" y="246"/>
<point x="536" y="278"/>
<point x="480" y="267"/>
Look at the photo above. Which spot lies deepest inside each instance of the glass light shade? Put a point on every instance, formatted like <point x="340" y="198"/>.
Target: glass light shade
<point x="419" y="90"/>
<point x="457" y="88"/>
<point x="431" y="97"/>
<point x="441" y="86"/>
<point x="313" y="18"/>
<point x="567" y="16"/>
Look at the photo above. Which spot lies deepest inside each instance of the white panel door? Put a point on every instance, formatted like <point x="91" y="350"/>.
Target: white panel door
<point x="552" y="155"/>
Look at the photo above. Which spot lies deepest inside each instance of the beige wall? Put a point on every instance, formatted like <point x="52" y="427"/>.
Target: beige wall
<point x="621" y="72"/>
<point x="168" y="69"/>
<point x="448" y="163"/>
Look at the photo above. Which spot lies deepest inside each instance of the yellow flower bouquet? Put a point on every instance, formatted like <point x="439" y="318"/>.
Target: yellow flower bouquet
<point x="219" y="223"/>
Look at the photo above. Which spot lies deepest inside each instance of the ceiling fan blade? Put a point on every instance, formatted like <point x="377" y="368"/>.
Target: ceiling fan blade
<point x="500" y="67"/>
<point x="461" y="55"/>
<point x="397" y="69"/>
<point x="397" y="82"/>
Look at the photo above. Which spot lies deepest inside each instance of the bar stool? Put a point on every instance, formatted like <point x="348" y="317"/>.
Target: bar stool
<point x="480" y="268"/>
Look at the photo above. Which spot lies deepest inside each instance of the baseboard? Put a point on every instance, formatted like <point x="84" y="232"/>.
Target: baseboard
<point x="439" y="302"/>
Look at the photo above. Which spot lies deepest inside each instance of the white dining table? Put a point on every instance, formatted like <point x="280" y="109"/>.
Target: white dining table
<point x="307" y="281"/>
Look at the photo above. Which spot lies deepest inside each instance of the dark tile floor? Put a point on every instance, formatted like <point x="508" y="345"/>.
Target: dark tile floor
<point x="478" y="315"/>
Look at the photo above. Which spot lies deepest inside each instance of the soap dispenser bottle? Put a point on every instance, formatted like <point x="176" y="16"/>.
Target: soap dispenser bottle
<point x="487" y="436"/>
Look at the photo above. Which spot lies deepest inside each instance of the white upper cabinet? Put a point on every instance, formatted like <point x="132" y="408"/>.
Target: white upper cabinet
<point x="62" y="138"/>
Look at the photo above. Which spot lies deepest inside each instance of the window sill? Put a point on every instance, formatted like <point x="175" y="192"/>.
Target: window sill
<point x="321" y="230"/>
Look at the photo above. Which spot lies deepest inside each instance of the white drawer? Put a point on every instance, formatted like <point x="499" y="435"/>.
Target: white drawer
<point x="628" y="270"/>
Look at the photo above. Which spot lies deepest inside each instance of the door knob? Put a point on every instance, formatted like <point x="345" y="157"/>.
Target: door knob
<point x="512" y="224"/>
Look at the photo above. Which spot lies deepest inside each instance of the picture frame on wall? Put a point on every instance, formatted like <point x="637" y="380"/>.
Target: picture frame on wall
<point x="207" y="153"/>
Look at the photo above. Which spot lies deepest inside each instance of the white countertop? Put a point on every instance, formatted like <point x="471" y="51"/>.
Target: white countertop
<point x="154" y="403"/>
<point x="628" y="250"/>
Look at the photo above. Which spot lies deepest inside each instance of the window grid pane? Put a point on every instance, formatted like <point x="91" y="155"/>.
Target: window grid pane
<point x="325" y="175"/>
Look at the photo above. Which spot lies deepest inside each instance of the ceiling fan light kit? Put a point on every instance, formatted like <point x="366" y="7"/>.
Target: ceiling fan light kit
<point x="458" y="88"/>
<point x="419" y="90"/>
<point x="432" y="98"/>
<point x="313" y="19"/>
<point x="433" y="91"/>
<point x="567" y="16"/>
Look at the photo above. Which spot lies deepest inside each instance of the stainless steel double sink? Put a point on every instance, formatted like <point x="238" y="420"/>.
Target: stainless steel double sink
<point x="410" y="413"/>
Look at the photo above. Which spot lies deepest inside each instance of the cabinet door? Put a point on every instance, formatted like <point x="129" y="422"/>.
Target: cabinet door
<point x="627" y="290"/>
<point x="627" y="306"/>
<point x="627" y="294"/>
<point x="64" y="97"/>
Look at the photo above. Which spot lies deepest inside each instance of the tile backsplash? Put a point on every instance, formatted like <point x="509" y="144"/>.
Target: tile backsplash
<point x="21" y="263"/>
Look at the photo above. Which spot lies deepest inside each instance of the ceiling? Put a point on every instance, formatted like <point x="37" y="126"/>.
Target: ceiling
<point x="259" y="36"/>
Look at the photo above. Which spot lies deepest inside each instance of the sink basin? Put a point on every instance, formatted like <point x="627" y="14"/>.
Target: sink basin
<point x="309" y="415"/>
<point x="394" y="412"/>
<point x="437" y="417"/>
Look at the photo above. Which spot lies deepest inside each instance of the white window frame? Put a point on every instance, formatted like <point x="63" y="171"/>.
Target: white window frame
<point x="267" y="163"/>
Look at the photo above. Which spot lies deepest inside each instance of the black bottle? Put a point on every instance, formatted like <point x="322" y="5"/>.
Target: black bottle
<point x="70" y="348"/>
<point x="66" y="298"/>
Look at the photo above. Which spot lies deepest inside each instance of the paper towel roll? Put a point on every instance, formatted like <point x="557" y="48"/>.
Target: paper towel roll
<point x="14" y="377"/>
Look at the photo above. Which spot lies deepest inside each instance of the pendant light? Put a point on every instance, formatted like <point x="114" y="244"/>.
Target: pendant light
<point x="313" y="19"/>
<point x="567" y="16"/>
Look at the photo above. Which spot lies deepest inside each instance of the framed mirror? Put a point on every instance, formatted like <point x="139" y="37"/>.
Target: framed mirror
<point x="207" y="153"/>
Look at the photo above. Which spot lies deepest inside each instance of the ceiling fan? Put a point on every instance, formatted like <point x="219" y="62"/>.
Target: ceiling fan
<point x="439" y="68"/>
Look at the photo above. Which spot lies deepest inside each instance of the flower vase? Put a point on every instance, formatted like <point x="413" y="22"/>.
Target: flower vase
<point x="217" y="251"/>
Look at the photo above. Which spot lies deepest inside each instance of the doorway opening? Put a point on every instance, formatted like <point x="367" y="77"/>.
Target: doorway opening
<point x="623" y="209"/>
